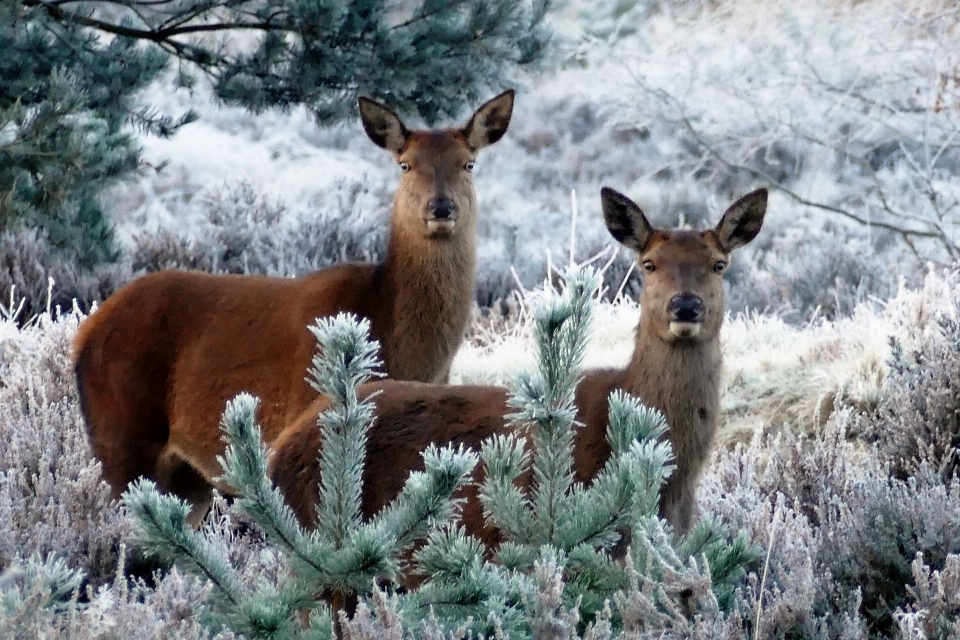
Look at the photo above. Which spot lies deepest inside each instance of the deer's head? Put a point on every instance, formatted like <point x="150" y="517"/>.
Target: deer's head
<point x="683" y="269"/>
<point x="436" y="197"/>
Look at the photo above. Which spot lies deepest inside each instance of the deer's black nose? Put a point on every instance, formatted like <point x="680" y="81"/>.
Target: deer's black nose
<point x="441" y="208"/>
<point x="686" y="307"/>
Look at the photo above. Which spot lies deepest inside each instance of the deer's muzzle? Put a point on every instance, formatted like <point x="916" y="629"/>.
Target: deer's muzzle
<point x="685" y="311"/>
<point x="440" y="216"/>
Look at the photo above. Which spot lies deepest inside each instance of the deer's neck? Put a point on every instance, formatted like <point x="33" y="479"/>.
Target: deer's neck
<point x="429" y="292"/>
<point x="682" y="380"/>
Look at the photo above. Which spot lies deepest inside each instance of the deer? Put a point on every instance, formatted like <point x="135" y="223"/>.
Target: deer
<point x="156" y="363"/>
<point x="675" y="367"/>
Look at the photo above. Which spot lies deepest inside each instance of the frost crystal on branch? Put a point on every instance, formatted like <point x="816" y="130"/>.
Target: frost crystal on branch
<point x="345" y="360"/>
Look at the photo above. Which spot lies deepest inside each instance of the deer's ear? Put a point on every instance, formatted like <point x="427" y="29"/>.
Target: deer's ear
<point x="382" y="125"/>
<point x="742" y="221"/>
<point x="625" y="221"/>
<point x="490" y="121"/>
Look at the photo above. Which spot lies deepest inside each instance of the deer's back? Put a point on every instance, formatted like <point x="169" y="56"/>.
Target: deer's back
<point x="411" y="416"/>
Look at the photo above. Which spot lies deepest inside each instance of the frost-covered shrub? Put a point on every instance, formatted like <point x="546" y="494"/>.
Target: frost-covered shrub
<point x="781" y="597"/>
<point x="846" y="536"/>
<point x="847" y="109"/>
<point x="918" y="420"/>
<point x="935" y="608"/>
<point x="27" y="265"/>
<point x="872" y="531"/>
<point x="617" y="19"/>
<point x="53" y="499"/>
<point x="822" y="270"/>
<point x="124" y="609"/>
<point x="243" y="231"/>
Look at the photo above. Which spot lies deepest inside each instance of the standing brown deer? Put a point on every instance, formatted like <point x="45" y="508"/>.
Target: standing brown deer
<point x="159" y="359"/>
<point x="676" y="368"/>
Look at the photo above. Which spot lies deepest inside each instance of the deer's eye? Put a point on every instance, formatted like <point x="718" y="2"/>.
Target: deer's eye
<point x="719" y="266"/>
<point x="648" y="266"/>
<point x="469" y="166"/>
<point x="404" y="166"/>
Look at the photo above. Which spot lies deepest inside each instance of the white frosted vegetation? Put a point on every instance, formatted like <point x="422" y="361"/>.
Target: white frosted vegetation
<point x="782" y="380"/>
<point x="848" y="105"/>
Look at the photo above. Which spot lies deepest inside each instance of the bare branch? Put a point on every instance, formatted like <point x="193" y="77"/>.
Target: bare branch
<point x="159" y="36"/>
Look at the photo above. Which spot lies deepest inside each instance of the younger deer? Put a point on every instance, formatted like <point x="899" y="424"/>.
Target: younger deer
<point x="159" y="359"/>
<point x="676" y="368"/>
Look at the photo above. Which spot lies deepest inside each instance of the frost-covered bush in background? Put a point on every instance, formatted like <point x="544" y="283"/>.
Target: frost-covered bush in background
<point x="28" y="263"/>
<point x="917" y="424"/>
<point x="616" y="19"/>
<point x="242" y="231"/>
<point x="234" y="230"/>
<point x="810" y="271"/>
<point x="850" y="110"/>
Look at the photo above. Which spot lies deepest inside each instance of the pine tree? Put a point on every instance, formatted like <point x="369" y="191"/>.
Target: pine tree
<point x="344" y="555"/>
<point x="71" y="71"/>
<point x="559" y="522"/>
<point x="65" y="98"/>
